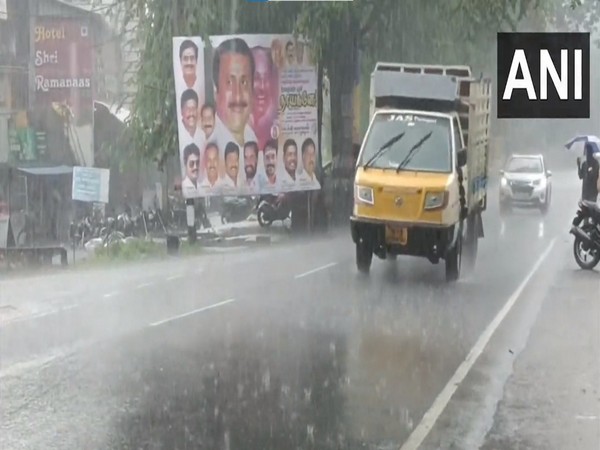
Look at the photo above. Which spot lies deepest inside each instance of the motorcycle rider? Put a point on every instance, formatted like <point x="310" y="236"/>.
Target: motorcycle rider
<point x="589" y="174"/>
<point x="279" y="200"/>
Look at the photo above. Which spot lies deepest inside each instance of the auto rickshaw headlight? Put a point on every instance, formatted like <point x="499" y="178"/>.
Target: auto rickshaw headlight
<point x="435" y="200"/>
<point x="363" y="194"/>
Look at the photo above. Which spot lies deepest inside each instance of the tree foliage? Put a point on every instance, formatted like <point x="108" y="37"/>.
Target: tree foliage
<point x="582" y="15"/>
<point x="496" y="15"/>
<point x="426" y="31"/>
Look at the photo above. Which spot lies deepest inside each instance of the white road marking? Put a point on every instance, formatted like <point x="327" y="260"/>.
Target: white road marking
<point x="20" y="368"/>
<point x="40" y="315"/>
<point x="429" y="419"/>
<point x="174" y="277"/>
<point x="318" y="269"/>
<point x="143" y="285"/>
<point x="195" y="311"/>
<point x="110" y="294"/>
<point x="587" y="417"/>
<point x="29" y="317"/>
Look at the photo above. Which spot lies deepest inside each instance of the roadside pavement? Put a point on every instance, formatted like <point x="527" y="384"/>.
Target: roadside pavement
<point x="552" y="399"/>
<point x="239" y="234"/>
<point x="243" y="232"/>
<point x="532" y="380"/>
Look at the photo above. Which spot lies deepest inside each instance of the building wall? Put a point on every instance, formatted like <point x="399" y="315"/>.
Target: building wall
<point x="116" y="73"/>
<point x="14" y="42"/>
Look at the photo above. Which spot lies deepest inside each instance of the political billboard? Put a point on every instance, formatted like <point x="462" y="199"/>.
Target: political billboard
<point x="247" y="115"/>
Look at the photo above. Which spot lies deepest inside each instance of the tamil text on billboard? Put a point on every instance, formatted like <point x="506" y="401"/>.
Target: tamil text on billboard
<point x="247" y="115"/>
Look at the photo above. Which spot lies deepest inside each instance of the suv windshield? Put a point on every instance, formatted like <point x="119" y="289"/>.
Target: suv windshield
<point x="433" y="156"/>
<point x="524" y="165"/>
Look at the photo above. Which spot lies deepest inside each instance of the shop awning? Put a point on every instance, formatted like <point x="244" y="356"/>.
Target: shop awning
<point x="47" y="171"/>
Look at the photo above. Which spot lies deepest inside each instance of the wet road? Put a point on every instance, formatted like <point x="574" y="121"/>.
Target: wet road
<point x="283" y="347"/>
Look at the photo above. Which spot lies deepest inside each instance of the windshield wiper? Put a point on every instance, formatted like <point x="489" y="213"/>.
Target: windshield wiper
<point x="382" y="149"/>
<point x="412" y="152"/>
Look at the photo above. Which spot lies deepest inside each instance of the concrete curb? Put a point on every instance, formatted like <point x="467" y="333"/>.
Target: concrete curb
<point x="236" y="241"/>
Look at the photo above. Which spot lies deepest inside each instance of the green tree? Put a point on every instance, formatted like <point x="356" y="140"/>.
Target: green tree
<point x="579" y="15"/>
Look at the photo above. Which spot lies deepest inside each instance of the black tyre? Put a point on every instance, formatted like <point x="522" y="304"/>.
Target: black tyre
<point x="586" y="257"/>
<point x="263" y="221"/>
<point x="471" y="245"/>
<point x="364" y="257"/>
<point x="545" y="207"/>
<point x="454" y="260"/>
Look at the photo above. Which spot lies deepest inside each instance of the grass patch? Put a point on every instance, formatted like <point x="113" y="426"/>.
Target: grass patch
<point x="141" y="250"/>
<point x="187" y="249"/>
<point x="135" y="250"/>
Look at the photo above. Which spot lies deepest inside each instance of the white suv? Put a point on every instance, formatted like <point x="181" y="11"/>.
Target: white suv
<point x="525" y="182"/>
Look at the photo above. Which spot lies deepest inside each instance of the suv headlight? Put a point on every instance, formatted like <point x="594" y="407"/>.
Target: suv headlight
<point x="539" y="182"/>
<point x="363" y="194"/>
<point x="435" y="200"/>
<point x="503" y="182"/>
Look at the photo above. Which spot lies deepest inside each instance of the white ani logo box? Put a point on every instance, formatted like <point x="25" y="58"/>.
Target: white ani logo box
<point x="543" y="75"/>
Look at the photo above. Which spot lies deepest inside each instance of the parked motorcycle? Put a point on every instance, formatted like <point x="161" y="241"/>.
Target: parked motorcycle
<point x="236" y="209"/>
<point x="153" y="220"/>
<point x="125" y="224"/>
<point x="87" y="228"/>
<point x="586" y="229"/>
<point x="272" y="208"/>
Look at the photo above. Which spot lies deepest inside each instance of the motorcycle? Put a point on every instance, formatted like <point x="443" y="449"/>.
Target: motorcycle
<point x="153" y="220"/>
<point x="586" y="229"/>
<point x="236" y="209"/>
<point x="125" y="224"/>
<point x="272" y="208"/>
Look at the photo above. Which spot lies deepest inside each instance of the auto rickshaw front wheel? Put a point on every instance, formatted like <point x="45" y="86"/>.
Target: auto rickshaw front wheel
<point x="454" y="260"/>
<point x="364" y="257"/>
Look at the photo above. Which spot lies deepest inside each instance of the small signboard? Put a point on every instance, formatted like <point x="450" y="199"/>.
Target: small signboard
<point x="5" y="232"/>
<point x="90" y="184"/>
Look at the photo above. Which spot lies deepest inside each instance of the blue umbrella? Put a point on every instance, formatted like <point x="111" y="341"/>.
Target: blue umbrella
<point x="593" y="140"/>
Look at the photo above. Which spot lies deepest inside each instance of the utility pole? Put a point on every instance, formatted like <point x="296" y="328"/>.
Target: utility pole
<point x="191" y="220"/>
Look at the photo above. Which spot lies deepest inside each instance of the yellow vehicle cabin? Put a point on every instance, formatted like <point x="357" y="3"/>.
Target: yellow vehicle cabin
<point x="421" y="174"/>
